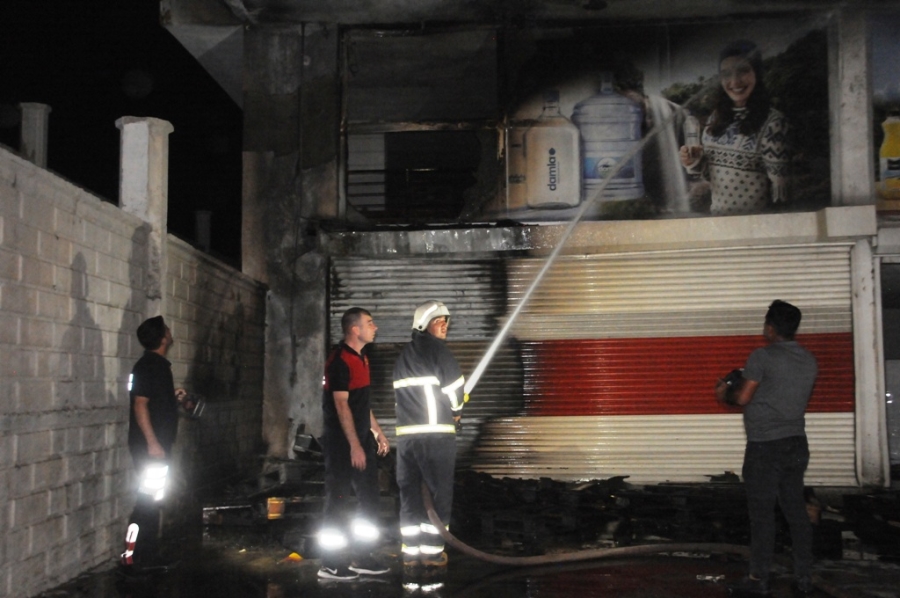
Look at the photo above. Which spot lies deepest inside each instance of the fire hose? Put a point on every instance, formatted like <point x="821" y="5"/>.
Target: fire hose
<point x="597" y="553"/>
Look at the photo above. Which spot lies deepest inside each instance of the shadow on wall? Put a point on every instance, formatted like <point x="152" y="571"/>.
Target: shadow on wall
<point x="82" y="342"/>
<point x="128" y="350"/>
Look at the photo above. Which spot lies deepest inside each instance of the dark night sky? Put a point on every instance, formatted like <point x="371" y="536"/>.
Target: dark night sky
<point x="95" y="61"/>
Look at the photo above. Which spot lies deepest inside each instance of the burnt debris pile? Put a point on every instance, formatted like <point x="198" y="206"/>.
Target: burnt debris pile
<point x="532" y="517"/>
<point x="537" y="516"/>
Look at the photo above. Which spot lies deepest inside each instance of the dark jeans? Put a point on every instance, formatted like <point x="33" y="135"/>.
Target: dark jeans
<point x="428" y="458"/>
<point x="773" y="473"/>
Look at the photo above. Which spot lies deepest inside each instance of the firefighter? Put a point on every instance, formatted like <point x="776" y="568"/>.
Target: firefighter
<point x="351" y="440"/>
<point x="428" y="386"/>
<point x="151" y="433"/>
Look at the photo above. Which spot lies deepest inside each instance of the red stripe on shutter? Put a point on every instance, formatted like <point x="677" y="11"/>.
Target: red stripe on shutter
<point x="656" y="376"/>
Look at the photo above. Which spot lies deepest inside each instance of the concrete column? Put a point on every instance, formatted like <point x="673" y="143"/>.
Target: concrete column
<point x="144" y="192"/>
<point x="872" y="457"/>
<point x="850" y="101"/>
<point x="291" y="150"/>
<point x="35" y="128"/>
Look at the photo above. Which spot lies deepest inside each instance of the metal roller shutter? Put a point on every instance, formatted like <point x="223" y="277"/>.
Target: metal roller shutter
<point x="722" y="291"/>
<point x="473" y="290"/>
<point x="475" y="294"/>
<point x="620" y="354"/>
<point x="650" y="449"/>
<point x="578" y="392"/>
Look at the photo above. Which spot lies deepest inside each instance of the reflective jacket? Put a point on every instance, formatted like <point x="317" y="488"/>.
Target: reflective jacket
<point x="428" y="386"/>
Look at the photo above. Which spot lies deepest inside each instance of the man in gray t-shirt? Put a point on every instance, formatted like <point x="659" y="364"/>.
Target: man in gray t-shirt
<point x="785" y="373"/>
<point x="778" y="381"/>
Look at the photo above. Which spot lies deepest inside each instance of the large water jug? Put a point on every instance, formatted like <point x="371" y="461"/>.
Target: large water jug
<point x="610" y="126"/>
<point x="552" y="165"/>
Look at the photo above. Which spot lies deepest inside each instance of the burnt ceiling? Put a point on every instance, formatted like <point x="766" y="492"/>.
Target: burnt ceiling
<point x="212" y="30"/>
<point x="369" y="12"/>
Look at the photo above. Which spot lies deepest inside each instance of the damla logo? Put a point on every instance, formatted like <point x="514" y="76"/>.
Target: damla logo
<point x="552" y="169"/>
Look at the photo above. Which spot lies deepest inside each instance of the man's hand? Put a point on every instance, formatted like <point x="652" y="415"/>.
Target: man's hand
<point x="384" y="447"/>
<point x="155" y="450"/>
<point x="721" y="389"/>
<point x="358" y="457"/>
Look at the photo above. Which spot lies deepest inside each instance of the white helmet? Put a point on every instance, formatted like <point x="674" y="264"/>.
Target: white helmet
<point x="428" y="311"/>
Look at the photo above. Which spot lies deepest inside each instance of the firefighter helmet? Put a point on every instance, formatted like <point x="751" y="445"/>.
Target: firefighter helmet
<point x="428" y="311"/>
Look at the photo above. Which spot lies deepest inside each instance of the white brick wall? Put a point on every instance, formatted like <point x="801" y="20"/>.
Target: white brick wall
<point x="216" y="315"/>
<point x="72" y="274"/>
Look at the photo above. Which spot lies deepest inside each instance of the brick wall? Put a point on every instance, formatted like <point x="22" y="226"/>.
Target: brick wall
<point x="72" y="273"/>
<point x="216" y="315"/>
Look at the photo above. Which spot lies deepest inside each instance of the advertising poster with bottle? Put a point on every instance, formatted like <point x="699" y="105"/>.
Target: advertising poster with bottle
<point x="886" y="109"/>
<point x="662" y="121"/>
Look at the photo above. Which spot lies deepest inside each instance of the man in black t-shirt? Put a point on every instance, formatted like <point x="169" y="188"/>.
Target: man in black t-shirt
<point x="152" y="428"/>
<point x="351" y="440"/>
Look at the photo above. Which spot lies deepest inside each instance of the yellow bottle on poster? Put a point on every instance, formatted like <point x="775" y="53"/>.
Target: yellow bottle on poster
<point x="889" y="186"/>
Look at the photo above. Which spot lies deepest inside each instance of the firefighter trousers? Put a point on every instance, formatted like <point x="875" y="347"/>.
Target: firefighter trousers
<point x="428" y="459"/>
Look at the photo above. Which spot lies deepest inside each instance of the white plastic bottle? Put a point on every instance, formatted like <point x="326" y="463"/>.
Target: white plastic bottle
<point x="691" y="131"/>
<point x="552" y="158"/>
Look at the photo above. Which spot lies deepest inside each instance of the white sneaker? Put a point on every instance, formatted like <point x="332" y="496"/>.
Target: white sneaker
<point x="337" y="573"/>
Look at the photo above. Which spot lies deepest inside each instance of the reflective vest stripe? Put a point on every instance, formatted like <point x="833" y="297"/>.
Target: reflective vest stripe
<point x="450" y="391"/>
<point x="421" y="381"/>
<point x="426" y="429"/>
<point x="430" y="404"/>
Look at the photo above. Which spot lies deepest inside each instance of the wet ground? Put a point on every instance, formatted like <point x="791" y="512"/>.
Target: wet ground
<point x="252" y="563"/>
<point x="231" y="547"/>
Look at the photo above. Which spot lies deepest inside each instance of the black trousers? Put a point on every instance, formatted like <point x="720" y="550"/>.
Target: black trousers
<point x="340" y="479"/>
<point x="142" y="533"/>
<point x="428" y="458"/>
<point x="773" y="474"/>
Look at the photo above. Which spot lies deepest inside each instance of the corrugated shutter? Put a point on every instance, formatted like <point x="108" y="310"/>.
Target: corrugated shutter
<point x="722" y="291"/>
<point x="475" y="294"/>
<point x="650" y="449"/>
<point x="473" y="290"/>
<point x="607" y="411"/>
<point x="631" y="346"/>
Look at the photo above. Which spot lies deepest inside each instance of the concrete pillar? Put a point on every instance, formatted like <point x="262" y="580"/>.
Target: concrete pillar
<point x="850" y="101"/>
<point x="35" y="128"/>
<point x="291" y="152"/>
<point x="872" y="455"/>
<point x="144" y="192"/>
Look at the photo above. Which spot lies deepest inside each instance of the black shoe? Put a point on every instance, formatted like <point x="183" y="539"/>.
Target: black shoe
<point x="369" y="566"/>
<point x="341" y="573"/>
<point x="748" y="587"/>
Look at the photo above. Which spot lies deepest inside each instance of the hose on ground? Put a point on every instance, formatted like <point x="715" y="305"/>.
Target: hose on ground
<point x="570" y="557"/>
<point x="597" y="553"/>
